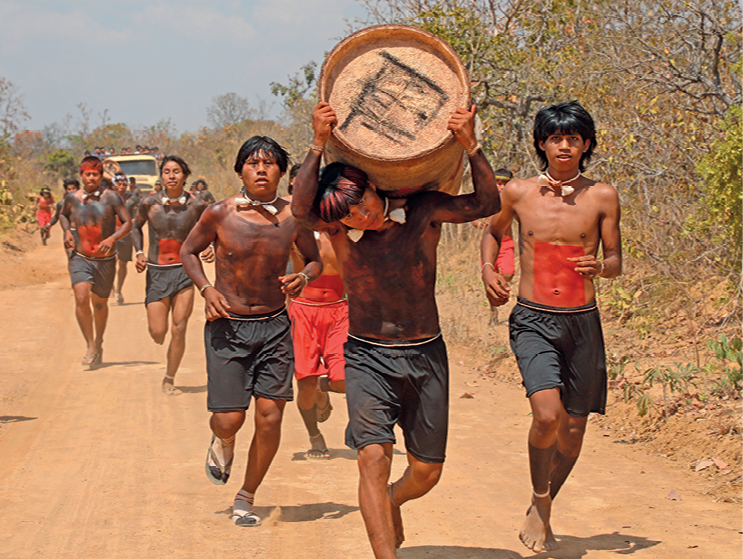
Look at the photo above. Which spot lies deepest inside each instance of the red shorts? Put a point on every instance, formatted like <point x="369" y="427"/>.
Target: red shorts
<point x="319" y="331"/>
<point x="42" y="218"/>
<point x="505" y="263"/>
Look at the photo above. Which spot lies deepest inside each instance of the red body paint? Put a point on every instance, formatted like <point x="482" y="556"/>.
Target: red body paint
<point x="90" y="238"/>
<point x="169" y="251"/>
<point x="556" y="283"/>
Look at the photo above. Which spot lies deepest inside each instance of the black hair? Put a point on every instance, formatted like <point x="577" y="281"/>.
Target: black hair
<point x="197" y="182"/>
<point x="564" y="118"/>
<point x="183" y="165"/>
<point x="503" y="173"/>
<point x="340" y="187"/>
<point x="68" y="182"/>
<point x="268" y="146"/>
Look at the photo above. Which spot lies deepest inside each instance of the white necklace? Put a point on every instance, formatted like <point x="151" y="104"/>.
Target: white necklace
<point x="246" y="201"/>
<point x="167" y="200"/>
<point x="565" y="189"/>
<point x="397" y="215"/>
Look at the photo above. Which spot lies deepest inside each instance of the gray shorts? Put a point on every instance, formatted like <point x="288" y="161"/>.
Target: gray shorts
<point x="248" y="356"/>
<point x="405" y="385"/>
<point x="561" y="348"/>
<point x="165" y="281"/>
<point x="98" y="271"/>
<point x="124" y="249"/>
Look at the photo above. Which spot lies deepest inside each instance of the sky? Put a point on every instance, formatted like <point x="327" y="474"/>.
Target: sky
<point x="146" y="61"/>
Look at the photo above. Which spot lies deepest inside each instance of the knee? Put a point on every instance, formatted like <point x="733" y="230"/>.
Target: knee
<point x="373" y="458"/>
<point x="269" y="420"/>
<point x="100" y="305"/>
<point x="157" y="335"/>
<point x="545" y="422"/>
<point x="426" y="475"/>
<point x="226" y="422"/>
<point x="178" y="330"/>
<point x="82" y="301"/>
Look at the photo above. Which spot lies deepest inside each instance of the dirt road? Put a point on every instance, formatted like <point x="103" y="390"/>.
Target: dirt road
<point x="100" y="464"/>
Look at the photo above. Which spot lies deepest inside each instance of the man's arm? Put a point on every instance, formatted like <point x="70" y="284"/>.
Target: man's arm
<point x="107" y="244"/>
<point x="305" y="183"/>
<point x="55" y="217"/>
<point x="310" y="253"/>
<point x="65" y="221"/>
<point x="485" y="200"/>
<point x="589" y="266"/>
<point x="496" y="287"/>
<point x="138" y="239"/>
<point x="201" y="236"/>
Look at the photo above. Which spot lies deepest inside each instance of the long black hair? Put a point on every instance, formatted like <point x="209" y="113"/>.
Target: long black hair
<point x="257" y="144"/>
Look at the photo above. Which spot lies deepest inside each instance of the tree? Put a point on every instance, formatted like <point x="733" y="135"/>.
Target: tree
<point x="60" y="163"/>
<point x="12" y="110"/>
<point x="228" y="110"/>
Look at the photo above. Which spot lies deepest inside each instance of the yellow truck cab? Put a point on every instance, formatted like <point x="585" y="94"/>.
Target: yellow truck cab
<point x="141" y="167"/>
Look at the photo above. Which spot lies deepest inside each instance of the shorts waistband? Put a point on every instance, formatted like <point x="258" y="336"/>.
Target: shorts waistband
<point x="165" y="265"/>
<point x="394" y="343"/>
<point x="95" y="258"/>
<point x="310" y="303"/>
<point x="255" y="317"/>
<point x="562" y="310"/>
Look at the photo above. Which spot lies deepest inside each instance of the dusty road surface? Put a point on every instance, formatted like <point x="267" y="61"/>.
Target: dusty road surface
<point x="100" y="464"/>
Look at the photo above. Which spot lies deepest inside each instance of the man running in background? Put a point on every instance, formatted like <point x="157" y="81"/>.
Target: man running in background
<point x="69" y="185"/>
<point x="319" y="330"/>
<point x="92" y="211"/>
<point x="124" y="247"/>
<point x="505" y="263"/>
<point x="43" y="207"/>
<point x="134" y="190"/>
<point x="247" y="335"/>
<point x="396" y="363"/>
<point x="171" y="215"/>
<point x="555" y="328"/>
<point x="201" y="189"/>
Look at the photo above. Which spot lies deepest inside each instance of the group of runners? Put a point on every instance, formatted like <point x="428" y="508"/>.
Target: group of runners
<point x="359" y="270"/>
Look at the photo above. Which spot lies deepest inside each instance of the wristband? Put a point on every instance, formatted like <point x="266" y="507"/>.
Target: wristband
<point x="601" y="271"/>
<point x="474" y="150"/>
<point x="315" y="147"/>
<point x="482" y="268"/>
<point x="201" y="291"/>
<point x="139" y="252"/>
<point x="306" y="278"/>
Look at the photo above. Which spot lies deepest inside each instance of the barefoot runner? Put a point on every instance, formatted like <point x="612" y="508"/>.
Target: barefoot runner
<point x="69" y="185"/>
<point x="124" y="247"/>
<point x="43" y="207"/>
<point x="319" y="330"/>
<point x="555" y="327"/>
<point x="396" y="363"/>
<point x="171" y="215"/>
<point x="247" y="334"/>
<point x="92" y="211"/>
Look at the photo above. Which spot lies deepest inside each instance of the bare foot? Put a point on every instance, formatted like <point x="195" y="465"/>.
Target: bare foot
<point x="536" y="533"/>
<point x="319" y="449"/>
<point x="169" y="388"/>
<point x="396" y="521"/>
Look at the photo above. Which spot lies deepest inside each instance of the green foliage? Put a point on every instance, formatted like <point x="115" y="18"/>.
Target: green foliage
<point x="61" y="163"/>
<point x="725" y="351"/>
<point x="721" y="186"/>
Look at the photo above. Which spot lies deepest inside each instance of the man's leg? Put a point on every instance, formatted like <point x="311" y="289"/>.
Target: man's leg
<point x="84" y="315"/>
<point x="100" y="318"/>
<point x="265" y="443"/>
<point x="225" y="426"/>
<point x="121" y="270"/>
<point x="306" y="393"/>
<point x="157" y="319"/>
<point x="182" y="306"/>
<point x="375" y="462"/>
<point x="555" y="440"/>
<point x="417" y="480"/>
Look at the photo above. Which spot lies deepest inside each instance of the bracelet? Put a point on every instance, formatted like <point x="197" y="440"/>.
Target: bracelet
<point x="306" y="278"/>
<point x="601" y="271"/>
<point x="315" y="147"/>
<point x="139" y="252"/>
<point x="482" y="268"/>
<point x="474" y="150"/>
<point x="201" y="291"/>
